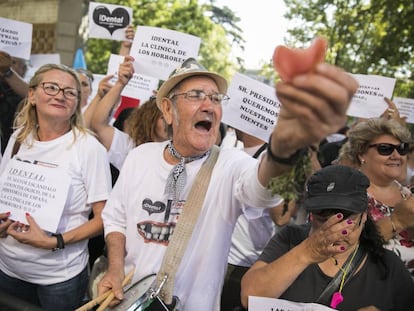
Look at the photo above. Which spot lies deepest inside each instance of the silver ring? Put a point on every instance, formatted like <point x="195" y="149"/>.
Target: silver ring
<point x="390" y="110"/>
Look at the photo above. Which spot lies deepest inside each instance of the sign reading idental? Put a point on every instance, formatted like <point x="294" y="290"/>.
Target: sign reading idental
<point x="108" y="21"/>
<point x="158" y="51"/>
<point x="36" y="189"/>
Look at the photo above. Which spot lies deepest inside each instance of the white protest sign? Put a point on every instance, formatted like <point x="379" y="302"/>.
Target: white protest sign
<point x="158" y="51"/>
<point x="95" y="85"/>
<point x="252" y="108"/>
<point x="140" y="86"/>
<point x="36" y="189"/>
<point x="368" y="101"/>
<point x="405" y="107"/>
<point x="274" y="304"/>
<point x="108" y="21"/>
<point x="16" y="38"/>
<point x="38" y="60"/>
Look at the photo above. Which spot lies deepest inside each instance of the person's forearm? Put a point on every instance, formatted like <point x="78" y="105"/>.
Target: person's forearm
<point x="272" y="280"/>
<point x="17" y="84"/>
<point x="269" y="169"/>
<point x="89" y="229"/>
<point x="103" y="110"/>
<point x="115" y="244"/>
<point x="90" y="110"/>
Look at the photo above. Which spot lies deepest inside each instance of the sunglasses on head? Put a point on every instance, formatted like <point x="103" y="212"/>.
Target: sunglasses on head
<point x="386" y="149"/>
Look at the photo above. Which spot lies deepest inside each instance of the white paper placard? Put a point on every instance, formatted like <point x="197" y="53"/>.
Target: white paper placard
<point x="38" y="60"/>
<point x="16" y="38"/>
<point x="158" y="51"/>
<point x="252" y="108"/>
<point x="140" y="86"/>
<point x="368" y="101"/>
<point x="274" y="304"/>
<point x="405" y="108"/>
<point x="108" y="21"/>
<point x="36" y="189"/>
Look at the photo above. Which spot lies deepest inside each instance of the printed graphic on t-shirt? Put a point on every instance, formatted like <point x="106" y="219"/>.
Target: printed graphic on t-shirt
<point x="155" y="231"/>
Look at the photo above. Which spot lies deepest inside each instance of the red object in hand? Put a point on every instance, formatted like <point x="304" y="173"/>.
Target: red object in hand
<point x="289" y="62"/>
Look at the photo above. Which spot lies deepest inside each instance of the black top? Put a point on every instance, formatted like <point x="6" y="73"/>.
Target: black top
<point x="9" y="102"/>
<point x="365" y="288"/>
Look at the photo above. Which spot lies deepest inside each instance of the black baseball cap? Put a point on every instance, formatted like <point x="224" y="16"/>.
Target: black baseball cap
<point x="337" y="187"/>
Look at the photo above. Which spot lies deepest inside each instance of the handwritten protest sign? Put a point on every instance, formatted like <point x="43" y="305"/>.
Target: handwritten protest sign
<point x="108" y="21"/>
<point x="252" y="108"/>
<point x="159" y="51"/>
<point x="16" y="38"/>
<point x="36" y="189"/>
<point x="140" y="86"/>
<point x="405" y="107"/>
<point x="274" y="304"/>
<point x="368" y="101"/>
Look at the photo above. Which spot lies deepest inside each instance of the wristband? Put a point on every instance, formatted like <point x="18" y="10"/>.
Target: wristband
<point x="291" y="160"/>
<point x="60" y="242"/>
<point x="7" y="74"/>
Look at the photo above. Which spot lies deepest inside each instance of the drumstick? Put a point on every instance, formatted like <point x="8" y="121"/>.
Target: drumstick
<point x="102" y="298"/>
<point x="111" y="296"/>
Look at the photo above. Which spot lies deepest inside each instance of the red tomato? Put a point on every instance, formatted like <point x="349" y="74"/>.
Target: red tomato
<point x="289" y="62"/>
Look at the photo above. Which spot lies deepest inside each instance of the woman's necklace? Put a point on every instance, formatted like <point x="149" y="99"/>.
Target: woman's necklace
<point x="337" y="297"/>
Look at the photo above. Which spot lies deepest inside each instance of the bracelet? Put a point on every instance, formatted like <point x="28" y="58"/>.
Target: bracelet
<point x="7" y="74"/>
<point x="60" y="242"/>
<point x="291" y="160"/>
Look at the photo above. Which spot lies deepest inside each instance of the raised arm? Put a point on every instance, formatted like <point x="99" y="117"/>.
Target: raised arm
<point x="314" y="105"/>
<point x="103" y="88"/>
<point x="127" y="43"/>
<point x="273" y="278"/>
<point x="100" y="119"/>
<point x="12" y="78"/>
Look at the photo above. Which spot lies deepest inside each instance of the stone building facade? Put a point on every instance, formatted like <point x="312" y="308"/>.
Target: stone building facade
<point x="59" y="26"/>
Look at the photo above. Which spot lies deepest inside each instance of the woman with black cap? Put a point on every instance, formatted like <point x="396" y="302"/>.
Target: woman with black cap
<point x="338" y="258"/>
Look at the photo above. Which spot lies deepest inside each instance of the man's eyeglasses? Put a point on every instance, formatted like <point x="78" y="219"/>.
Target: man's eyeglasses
<point x="53" y="89"/>
<point x="199" y="95"/>
<point x="386" y="149"/>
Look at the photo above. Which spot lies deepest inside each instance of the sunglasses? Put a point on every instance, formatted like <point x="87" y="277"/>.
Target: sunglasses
<point x="386" y="149"/>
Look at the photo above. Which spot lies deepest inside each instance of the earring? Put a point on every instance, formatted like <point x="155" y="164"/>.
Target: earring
<point x="362" y="161"/>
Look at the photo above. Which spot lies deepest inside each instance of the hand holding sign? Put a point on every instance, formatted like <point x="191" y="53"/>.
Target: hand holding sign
<point x="291" y="62"/>
<point x="4" y="224"/>
<point x="31" y="234"/>
<point x="5" y="62"/>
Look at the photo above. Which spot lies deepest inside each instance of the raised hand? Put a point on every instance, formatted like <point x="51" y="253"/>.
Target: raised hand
<point x="290" y="62"/>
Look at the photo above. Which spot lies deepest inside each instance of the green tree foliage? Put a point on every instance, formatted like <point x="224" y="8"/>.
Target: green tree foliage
<point x="365" y="36"/>
<point x="217" y="28"/>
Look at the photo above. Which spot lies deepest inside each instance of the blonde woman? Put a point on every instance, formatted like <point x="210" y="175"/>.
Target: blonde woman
<point x="49" y="269"/>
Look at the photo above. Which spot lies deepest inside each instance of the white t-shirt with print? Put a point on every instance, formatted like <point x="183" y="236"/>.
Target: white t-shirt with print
<point x="85" y="160"/>
<point x="137" y="208"/>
